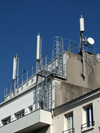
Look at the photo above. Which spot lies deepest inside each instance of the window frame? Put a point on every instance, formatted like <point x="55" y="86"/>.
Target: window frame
<point x="66" y="129"/>
<point x="41" y="104"/>
<point x="30" y="108"/>
<point x="20" y="114"/>
<point x="6" y="120"/>
<point x="87" y="117"/>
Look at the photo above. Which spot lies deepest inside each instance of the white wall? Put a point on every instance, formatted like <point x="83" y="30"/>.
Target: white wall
<point x="23" y="101"/>
<point x="29" y="123"/>
<point x="16" y="104"/>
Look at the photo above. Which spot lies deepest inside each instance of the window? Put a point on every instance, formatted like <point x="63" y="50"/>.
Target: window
<point x="69" y="123"/>
<point x="41" y="104"/>
<point x="19" y="114"/>
<point x="30" y="108"/>
<point x="87" y="117"/>
<point x="6" y="120"/>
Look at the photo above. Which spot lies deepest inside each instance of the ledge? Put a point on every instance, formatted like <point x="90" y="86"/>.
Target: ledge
<point x="87" y="129"/>
<point x="28" y="123"/>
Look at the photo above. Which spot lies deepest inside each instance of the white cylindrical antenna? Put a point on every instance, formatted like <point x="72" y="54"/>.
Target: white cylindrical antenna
<point x="38" y="46"/>
<point x="14" y="68"/>
<point x="82" y="24"/>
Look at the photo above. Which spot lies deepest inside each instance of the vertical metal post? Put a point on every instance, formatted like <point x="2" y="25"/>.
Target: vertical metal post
<point x="52" y="54"/>
<point x="15" y="84"/>
<point x="62" y="45"/>
<point x="37" y="92"/>
<point x="32" y="70"/>
<point x="37" y="69"/>
<point x="94" y="56"/>
<point x="15" y="81"/>
<point x="27" y="78"/>
<point x="52" y="61"/>
<point x="69" y="48"/>
<point x="10" y="87"/>
<point x="17" y="72"/>
<point x="62" y="59"/>
<point x="82" y="41"/>
<point x="57" y="47"/>
<point x="22" y="77"/>
<point x="51" y="90"/>
<point x="46" y="62"/>
<point x="6" y="91"/>
<point x="45" y="96"/>
<point x="78" y="51"/>
<point x="40" y="54"/>
<point x="86" y="54"/>
<point x="83" y="60"/>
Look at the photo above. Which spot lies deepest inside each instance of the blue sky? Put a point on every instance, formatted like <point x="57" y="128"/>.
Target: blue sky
<point x="22" y="20"/>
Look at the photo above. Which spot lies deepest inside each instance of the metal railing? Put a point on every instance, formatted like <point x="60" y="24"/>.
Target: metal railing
<point x="88" y="124"/>
<point x="43" y="64"/>
<point x="20" y="80"/>
<point x="71" y="130"/>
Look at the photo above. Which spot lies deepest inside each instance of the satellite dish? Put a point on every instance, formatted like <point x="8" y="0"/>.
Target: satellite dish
<point x="90" y="41"/>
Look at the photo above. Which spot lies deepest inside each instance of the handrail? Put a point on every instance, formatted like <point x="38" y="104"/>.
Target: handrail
<point x="70" y="44"/>
<point x="88" y="124"/>
<point x="71" y="130"/>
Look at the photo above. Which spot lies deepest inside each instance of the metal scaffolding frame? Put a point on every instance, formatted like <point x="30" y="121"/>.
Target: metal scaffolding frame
<point x="54" y="66"/>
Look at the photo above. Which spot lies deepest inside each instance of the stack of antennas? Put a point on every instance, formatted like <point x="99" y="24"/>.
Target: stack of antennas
<point x="15" y="70"/>
<point x="90" y="40"/>
<point x="83" y="41"/>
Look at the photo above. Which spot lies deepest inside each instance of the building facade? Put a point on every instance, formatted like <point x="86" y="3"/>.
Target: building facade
<point x="80" y="115"/>
<point x="54" y="97"/>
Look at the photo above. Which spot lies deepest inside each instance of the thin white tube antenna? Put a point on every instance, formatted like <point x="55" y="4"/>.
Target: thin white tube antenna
<point x="14" y="68"/>
<point x="82" y="24"/>
<point x="38" y="46"/>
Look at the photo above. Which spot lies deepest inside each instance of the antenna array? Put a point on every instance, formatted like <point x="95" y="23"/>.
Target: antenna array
<point x="16" y="70"/>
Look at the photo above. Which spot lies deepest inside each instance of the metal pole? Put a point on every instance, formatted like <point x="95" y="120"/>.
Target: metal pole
<point x="27" y="74"/>
<point x="83" y="60"/>
<point x="37" y="92"/>
<point x="82" y="49"/>
<point x="94" y="56"/>
<point x="32" y="70"/>
<point x="17" y="72"/>
<point x="22" y="77"/>
<point x="69" y="48"/>
<point x="37" y="69"/>
<point x="86" y="54"/>
<point x="10" y="87"/>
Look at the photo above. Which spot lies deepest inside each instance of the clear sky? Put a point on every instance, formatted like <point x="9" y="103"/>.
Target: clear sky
<point x="22" y="20"/>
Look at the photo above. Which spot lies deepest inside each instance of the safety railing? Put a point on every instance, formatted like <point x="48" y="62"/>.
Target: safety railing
<point x="71" y="130"/>
<point x="87" y="125"/>
<point x="20" y="80"/>
<point x="60" y="45"/>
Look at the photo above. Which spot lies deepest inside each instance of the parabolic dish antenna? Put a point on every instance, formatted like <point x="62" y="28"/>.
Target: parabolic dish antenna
<point x="90" y="41"/>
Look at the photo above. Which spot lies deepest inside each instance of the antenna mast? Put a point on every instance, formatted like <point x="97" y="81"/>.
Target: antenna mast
<point x="37" y="63"/>
<point x="15" y="71"/>
<point x="82" y="41"/>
